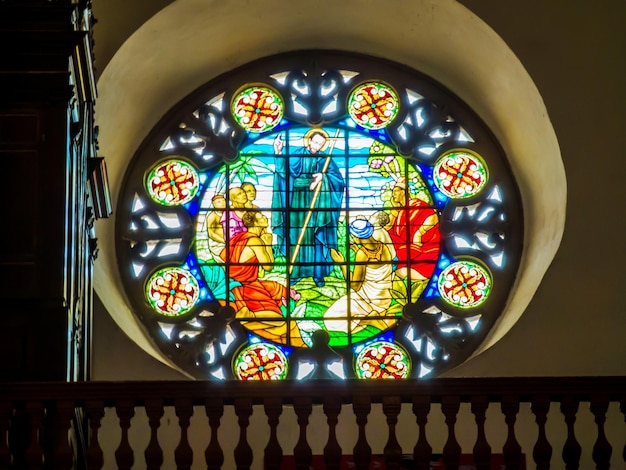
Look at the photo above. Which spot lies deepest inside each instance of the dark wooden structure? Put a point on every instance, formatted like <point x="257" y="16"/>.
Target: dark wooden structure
<point x="55" y="187"/>
<point x="26" y="433"/>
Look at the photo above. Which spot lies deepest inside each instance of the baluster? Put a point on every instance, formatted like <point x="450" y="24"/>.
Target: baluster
<point x="362" y="451"/>
<point x="602" y="450"/>
<point x="59" y="421"/>
<point x="273" y="452"/>
<point x="512" y="451"/>
<point x="94" y="456"/>
<point x="153" y="452"/>
<point x="18" y="436"/>
<point x="124" y="455"/>
<point x="243" y="451"/>
<point x="214" y="455"/>
<point x="6" y="412"/>
<point x="451" y="449"/>
<point x="34" y="453"/>
<point x="423" y="452"/>
<point x="302" y="450"/>
<point x="392" y="451"/>
<point x="332" y="450"/>
<point x="542" y="452"/>
<point x="571" y="448"/>
<point x="482" y="449"/>
<point x="183" y="454"/>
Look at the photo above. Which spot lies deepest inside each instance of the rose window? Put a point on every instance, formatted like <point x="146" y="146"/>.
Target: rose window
<point x="319" y="215"/>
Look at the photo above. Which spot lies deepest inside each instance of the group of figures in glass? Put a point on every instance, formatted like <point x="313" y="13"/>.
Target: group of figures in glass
<point x="317" y="228"/>
<point x="324" y="238"/>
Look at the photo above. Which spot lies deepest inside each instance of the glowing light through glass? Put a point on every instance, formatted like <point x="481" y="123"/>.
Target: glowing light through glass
<point x="373" y="105"/>
<point x="257" y="109"/>
<point x="172" y="183"/>
<point x="383" y="360"/>
<point x="465" y="284"/>
<point x="460" y="174"/>
<point x="260" y="361"/>
<point x="172" y="291"/>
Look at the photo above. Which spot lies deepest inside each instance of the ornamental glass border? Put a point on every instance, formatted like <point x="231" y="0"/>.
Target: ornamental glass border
<point x="385" y="133"/>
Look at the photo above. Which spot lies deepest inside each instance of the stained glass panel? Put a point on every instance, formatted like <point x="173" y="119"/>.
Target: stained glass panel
<point x="328" y="235"/>
<point x="330" y="221"/>
<point x="382" y="360"/>
<point x="460" y="174"/>
<point x="465" y="284"/>
<point x="172" y="291"/>
<point x="261" y="361"/>
<point x="257" y="108"/>
<point x="173" y="182"/>
<point x="373" y="105"/>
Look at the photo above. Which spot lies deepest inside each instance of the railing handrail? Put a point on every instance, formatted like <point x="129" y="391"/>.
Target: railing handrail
<point x="555" y="388"/>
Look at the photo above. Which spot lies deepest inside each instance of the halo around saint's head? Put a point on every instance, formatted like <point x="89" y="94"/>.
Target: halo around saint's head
<point x="316" y="131"/>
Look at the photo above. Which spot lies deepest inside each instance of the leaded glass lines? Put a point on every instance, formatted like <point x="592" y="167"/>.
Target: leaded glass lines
<point x="319" y="205"/>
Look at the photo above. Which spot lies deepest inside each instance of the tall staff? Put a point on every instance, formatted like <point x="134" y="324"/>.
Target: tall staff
<point x="316" y="192"/>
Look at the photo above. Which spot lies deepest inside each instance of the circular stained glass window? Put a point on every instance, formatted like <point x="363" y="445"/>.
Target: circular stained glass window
<point x="460" y="174"/>
<point x="173" y="182"/>
<point x="308" y="216"/>
<point x="465" y="284"/>
<point x="257" y="108"/>
<point x="373" y="105"/>
<point x="382" y="360"/>
<point x="172" y="291"/>
<point x="261" y="361"/>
